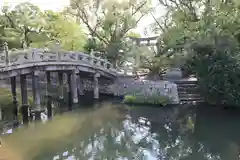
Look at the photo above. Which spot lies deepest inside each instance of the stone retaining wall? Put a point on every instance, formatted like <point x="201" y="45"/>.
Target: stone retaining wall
<point x="130" y="86"/>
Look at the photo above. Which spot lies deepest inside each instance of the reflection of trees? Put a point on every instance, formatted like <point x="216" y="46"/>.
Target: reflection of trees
<point x="134" y="139"/>
<point x="217" y="132"/>
<point x="174" y="127"/>
<point x="161" y="133"/>
<point x="109" y="142"/>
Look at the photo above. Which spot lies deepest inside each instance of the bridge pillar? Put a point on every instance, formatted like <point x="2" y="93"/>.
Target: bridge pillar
<point x="49" y="102"/>
<point x="48" y="84"/>
<point x="14" y="94"/>
<point x="80" y="85"/>
<point x="69" y="91"/>
<point x="25" y="106"/>
<point x="36" y="95"/>
<point x="60" y="83"/>
<point x="96" y="86"/>
<point x="74" y="86"/>
<point x="1" y="115"/>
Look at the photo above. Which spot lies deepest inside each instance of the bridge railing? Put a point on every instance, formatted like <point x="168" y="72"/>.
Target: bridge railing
<point x="34" y="55"/>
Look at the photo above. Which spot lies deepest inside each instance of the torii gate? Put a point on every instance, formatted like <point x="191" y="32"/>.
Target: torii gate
<point x="146" y="41"/>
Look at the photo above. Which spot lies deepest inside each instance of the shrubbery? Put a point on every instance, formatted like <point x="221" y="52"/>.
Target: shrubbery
<point x="153" y="99"/>
<point x="216" y="64"/>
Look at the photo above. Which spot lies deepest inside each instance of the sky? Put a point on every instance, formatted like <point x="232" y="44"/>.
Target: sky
<point x="57" y="5"/>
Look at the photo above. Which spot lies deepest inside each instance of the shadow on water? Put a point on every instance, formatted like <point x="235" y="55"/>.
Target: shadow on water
<point x="113" y="131"/>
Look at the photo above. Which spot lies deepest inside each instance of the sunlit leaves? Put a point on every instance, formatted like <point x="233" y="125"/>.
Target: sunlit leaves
<point x="20" y="22"/>
<point x="27" y="26"/>
<point x="109" y="21"/>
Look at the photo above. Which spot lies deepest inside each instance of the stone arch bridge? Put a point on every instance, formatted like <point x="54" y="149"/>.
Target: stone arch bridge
<point x="20" y="64"/>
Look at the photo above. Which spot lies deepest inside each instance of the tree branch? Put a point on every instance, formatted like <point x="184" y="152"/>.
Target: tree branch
<point x="84" y="19"/>
<point x="138" y="8"/>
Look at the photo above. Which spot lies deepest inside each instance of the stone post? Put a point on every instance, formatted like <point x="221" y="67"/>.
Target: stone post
<point x="34" y="51"/>
<point x="36" y="95"/>
<point x="6" y="53"/>
<point x="69" y="91"/>
<point x="14" y="94"/>
<point x="105" y="64"/>
<point x="49" y="102"/>
<point x="148" y="42"/>
<point x="92" y="57"/>
<point x="92" y="52"/>
<point x="58" y="51"/>
<point x="23" y="83"/>
<point x="99" y="62"/>
<point x="74" y="86"/>
<point x="60" y="83"/>
<point x="96" y="86"/>
<point x="111" y="66"/>
<point x="48" y="84"/>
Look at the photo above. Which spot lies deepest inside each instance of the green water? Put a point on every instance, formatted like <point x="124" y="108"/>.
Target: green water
<point x="110" y="131"/>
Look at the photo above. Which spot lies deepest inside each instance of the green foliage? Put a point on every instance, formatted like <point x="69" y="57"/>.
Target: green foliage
<point x="133" y="34"/>
<point x="129" y="99"/>
<point x="27" y="26"/>
<point x="21" y="22"/>
<point x="156" y="65"/>
<point x="209" y="41"/>
<point x="6" y="99"/>
<point x="64" y="29"/>
<point x="216" y="63"/>
<point x="94" y="44"/>
<point x="109" y="22"/>
<point x="151" y="99"/>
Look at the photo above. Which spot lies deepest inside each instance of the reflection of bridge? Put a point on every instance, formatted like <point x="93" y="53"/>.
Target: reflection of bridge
<point x="75" y="65"/>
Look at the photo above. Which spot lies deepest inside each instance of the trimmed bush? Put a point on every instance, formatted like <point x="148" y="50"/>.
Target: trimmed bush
<point x="153" y="99"/>
<point x="129" y="99"/>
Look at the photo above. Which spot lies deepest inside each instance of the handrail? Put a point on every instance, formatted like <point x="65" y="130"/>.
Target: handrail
<point x="36" y="55"/>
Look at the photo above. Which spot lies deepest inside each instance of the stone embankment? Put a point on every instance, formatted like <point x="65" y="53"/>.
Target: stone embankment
<point x="128" y="85"/>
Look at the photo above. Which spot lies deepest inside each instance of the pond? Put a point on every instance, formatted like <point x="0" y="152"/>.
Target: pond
<point x="116" y="132"/>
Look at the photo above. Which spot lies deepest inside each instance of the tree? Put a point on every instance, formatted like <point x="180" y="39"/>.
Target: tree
<point x="27" y="26"/>
<point x="109" y="21"/>
<point x="185" y="20"/>
<point x="64" y="29"/>
<point x="208" y="32"/>
<point x="20" y="23"/>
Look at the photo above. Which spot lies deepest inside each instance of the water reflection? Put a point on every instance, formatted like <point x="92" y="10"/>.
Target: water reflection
<point x="109" y="131"/>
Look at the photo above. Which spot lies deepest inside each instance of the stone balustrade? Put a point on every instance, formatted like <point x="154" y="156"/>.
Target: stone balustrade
<point x="34" y="55"/>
